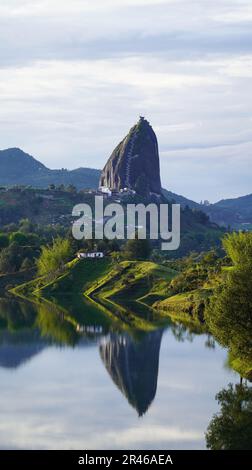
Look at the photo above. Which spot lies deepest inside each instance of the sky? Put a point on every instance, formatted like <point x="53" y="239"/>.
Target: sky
<point x="75" y="75"/>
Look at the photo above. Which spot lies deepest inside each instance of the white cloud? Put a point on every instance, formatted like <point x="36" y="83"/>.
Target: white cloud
<point x="73" y="69"/>
<point x="239" y="14"/>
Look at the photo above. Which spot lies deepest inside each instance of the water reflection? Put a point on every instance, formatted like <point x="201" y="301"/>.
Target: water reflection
<point x="231" y="428"/>
<point x="131" y="359"/>
<point x="133" y="366"/>
<point x="16" y="349"/>
<point x="48" y="341"/>
<point x="19" y="339"/>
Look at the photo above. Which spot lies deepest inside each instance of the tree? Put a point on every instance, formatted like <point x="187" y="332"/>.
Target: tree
<point x="26" y="226"/>
<point x="229" y="313"/>
<point x="137" y="249"/>
<point x="71" y="188"/>
<point x="11" y="228"/>
<point x="113" y="245"/>
<point x="4" y="240"/>
<point x="19" y="238"/>
<point x="10" y="258"/>
<point x="238" y="246"/>
<point x="231" y="429"/>
<point x="53" y="258"/>
<point x="26" y="264"/>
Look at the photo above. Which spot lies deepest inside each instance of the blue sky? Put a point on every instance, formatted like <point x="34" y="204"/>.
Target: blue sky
<point x="76" y="74"/>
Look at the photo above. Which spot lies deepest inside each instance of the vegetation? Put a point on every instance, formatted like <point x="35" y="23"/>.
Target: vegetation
<point x="229" y="313"/>
<point x="53" y="207"/>
<point x="20" y="246"/>
<point x="53" y="258"/>
<point x="211" y="290"/>
<point x="137" y="249"/>
<point x="231" y="429"/>
<point x="108" y="285"/>
<point x="215" y="292"/>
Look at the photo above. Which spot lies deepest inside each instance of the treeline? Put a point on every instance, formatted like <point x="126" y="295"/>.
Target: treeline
<point x="21" y="244"/>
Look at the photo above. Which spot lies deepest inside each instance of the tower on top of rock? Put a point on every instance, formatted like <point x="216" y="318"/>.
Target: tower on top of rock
<point x="134" y="164"/>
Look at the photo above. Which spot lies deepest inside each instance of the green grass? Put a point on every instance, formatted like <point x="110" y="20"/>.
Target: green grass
<point x="185" y="307"/>
<point x="240" y="365"/>
<point x="133" y="278"/>
<point x="106" y="286"/>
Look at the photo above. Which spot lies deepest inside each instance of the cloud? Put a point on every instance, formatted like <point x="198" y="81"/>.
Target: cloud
<point x="70" y="71"/>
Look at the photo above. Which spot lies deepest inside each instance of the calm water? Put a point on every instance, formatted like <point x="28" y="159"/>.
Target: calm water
<point x="72" y="380"/>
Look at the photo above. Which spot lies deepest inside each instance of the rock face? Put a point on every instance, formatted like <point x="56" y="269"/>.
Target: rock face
<point x="134" y="164"/>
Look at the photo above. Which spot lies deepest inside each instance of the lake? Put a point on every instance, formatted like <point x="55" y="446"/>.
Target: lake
<point x="80" y="381"/>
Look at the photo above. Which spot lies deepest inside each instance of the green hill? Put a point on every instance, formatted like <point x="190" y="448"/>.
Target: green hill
<point x="20" y="168"/>
<point x="235" y="212"/>
<point x="135" y="296"/>
<point x="108" y="286"/>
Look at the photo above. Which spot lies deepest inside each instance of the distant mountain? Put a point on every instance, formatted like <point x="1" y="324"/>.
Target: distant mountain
<point x="236" y="213"/>
<point x="183" y="201"/>
<point x="20" y="168"/>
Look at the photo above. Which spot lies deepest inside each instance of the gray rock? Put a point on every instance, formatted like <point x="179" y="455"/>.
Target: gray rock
<point x="134" y="163"/>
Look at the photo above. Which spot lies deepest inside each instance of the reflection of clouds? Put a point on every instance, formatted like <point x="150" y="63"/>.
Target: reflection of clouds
<point x="64" y="398"/>
<point x="26" y="437"/>
<point x="153" y="434"/>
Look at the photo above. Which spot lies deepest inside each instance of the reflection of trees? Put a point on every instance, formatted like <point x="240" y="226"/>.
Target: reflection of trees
<point x="182" y="333"/>
<point x="56" y="324"/>
<point x="27" y="328"/>
<point x="133" y="366"/>
<point x="231" y="428"/>
<point x="16" y="315"/>
<point x="19" y="340"/>
<point x="52" y="322"/>
<point x="210" y="342"/>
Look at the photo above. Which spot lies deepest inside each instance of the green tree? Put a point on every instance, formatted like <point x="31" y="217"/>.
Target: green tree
<point x="137" y="249"/>
<point x="10" y="259"/>
<point x="231" y="429"/>
<point x="19" y="238"/>
<point x="71" y="188"/>
<point x="4" y="240"/>
<point x="27" y="264"/>
<point x="238" y="246"/>
<point x="26" y="226"/>
<point x="53" y="258"/>
<point x="229" y="312"/>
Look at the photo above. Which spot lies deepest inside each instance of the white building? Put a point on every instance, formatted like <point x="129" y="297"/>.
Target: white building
<point x="105" y="190"/>
<point x="91" y="254"/>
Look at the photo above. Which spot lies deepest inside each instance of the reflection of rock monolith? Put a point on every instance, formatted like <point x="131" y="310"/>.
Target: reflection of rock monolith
<point x="133" y="366"/>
